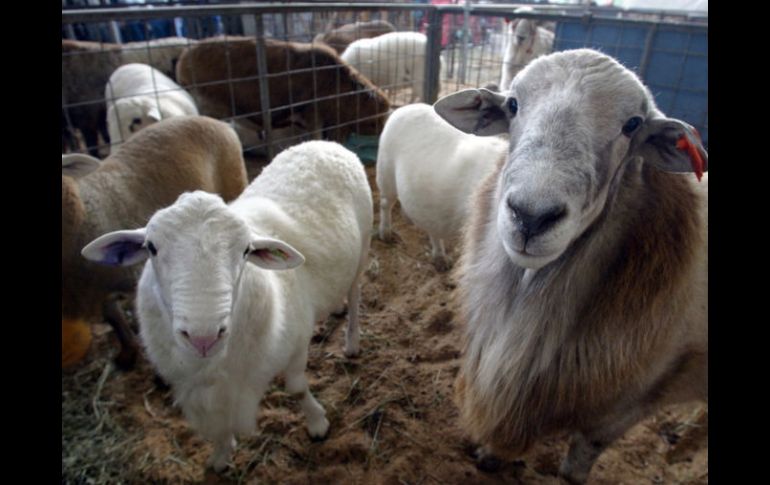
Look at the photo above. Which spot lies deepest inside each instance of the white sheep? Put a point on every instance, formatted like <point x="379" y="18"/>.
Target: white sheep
<point x="218" y="321"/>
<point x="391" y="61"/>
<point x="145" y="174"/>
<point x="432" y="169"/>
<point x="526" y="41"/>
<point x="584" y="274"/>
<point x="139" y="95"/>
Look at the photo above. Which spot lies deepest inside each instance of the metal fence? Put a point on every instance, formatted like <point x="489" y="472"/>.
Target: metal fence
<point x="464" y="48"/>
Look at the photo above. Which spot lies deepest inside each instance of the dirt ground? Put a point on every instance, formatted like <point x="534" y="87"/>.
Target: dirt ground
<point x="392" y="416"/>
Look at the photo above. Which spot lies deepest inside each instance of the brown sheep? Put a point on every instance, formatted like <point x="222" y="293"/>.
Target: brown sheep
<point x="332" y="96"/>
<point x="584" y="273"/>
<point x="339" y="38"/>
<point x="86" y="67"/>
<point x="144" y="174"/>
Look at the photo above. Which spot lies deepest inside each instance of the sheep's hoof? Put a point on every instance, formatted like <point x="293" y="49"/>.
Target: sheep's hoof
<point x="442" y="264"/>
<point x="341" y="311"/>
<point x="126" y="359"/>
<point x="352" y="352"/>
<point x="160" y="384"/>
<point x="320" y="432"/>
<point x="486" y="462"/>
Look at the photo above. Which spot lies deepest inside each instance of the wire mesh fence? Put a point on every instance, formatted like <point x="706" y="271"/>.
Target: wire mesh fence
<point x="282" y="74"/>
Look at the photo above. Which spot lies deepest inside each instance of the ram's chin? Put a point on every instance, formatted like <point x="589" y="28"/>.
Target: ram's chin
<point x="529" y="261"/>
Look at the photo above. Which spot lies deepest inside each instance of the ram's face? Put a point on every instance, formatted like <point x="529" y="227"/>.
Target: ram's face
<point x="570" y="130"/>
<point x="198" y="251"/>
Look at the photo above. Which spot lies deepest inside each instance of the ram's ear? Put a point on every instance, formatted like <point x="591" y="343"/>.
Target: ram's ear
<point x="670" y="145"/>
<point x="77" y="165"/>
<point x="118" y="248"/>
<point x="268" y="253"/>
<point x="476" y="111"/>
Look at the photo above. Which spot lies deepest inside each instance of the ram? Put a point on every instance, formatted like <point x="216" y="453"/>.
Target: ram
<point x="583" y="276"/>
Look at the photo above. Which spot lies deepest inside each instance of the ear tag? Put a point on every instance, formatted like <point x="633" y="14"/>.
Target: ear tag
<point x="684" y="143"/>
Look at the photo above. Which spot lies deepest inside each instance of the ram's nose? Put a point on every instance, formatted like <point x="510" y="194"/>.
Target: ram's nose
<point x="532" y="222"/>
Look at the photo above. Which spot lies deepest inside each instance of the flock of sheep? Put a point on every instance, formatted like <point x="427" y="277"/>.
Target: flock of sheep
<point x="583" y="270"/>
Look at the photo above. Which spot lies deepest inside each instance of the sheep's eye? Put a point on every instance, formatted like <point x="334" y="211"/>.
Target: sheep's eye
<point x="152" y="248"/>
<point x="520" y="38"/>
<point x="246" y="253"/>
<point x="631" y="125"/>
<point x="513" y="106"/>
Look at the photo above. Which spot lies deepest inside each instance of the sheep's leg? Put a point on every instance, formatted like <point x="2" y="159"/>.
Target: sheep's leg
<point x="586" y="446"/>
<point x="438" y="253"/>
<point x="223" y="448"/>
<point x="296" y="384"/>
<point x="129" y="349"/>
<point x="386" y="207"/>
<point x="352" y="332"/>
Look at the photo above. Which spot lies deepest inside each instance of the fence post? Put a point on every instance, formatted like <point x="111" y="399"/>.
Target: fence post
<point x="432" y="56"/>
<point x="264" y="89"/>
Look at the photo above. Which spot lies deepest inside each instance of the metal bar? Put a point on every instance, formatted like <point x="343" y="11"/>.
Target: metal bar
<point x="264" y="89"/>
<point x="464" y="46"/>
<point x="647" y="51"/>
<point x="432" y="56"/>
<point x="543" y="12"/>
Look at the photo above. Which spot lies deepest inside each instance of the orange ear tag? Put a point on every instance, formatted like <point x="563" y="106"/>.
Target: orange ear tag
<point x="696" y="160"/>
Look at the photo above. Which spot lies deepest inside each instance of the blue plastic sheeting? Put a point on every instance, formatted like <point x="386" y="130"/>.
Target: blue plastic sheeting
<point x="677" y="65"/>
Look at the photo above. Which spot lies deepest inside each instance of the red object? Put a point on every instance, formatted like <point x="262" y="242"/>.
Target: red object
<point x="696" y="160"/>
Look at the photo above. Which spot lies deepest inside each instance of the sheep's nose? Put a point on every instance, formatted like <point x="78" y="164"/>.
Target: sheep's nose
<point x="533" y="222"/>
<point x="203" y="344"/>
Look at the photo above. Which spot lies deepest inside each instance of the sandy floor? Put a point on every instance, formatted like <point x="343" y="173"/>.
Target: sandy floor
<point x="391" y="411"/>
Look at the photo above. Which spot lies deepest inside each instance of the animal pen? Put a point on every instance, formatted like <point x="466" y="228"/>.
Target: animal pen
<point x="465" y="45"/>
<point x="391" y="412"/>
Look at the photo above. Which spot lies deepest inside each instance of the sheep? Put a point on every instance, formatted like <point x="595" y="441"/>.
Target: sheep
<point x="584" y="271"/>
<point x="162" y="54"/>
<point x="139" y="95"/>
<point x="339" y="38"/>
<point x="216" y="318"/>
<point x="321" y="88"/>
<point x="433" y="169"/>
<point x="526" y="41"/>
<point x="391" y="60"/>
<point x="86" y="68"/>
<point x="141" y="176"/>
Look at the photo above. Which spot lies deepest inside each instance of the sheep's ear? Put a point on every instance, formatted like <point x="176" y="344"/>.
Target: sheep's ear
<point x="76" y="165"/>
<point x="476" y="111"/>
<point x="154" y="113"/>
<point x="119" y="248"/>
<point x="670" y="145"/>
<point x="270" y="253"/>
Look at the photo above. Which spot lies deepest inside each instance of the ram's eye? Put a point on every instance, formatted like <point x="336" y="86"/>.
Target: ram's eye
<point x="632" y="125"/>
<point x="151" y="247"/>
<point x="513" y="106"/>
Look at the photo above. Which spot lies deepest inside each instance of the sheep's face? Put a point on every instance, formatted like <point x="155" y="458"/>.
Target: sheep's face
<point x="523" y="34"/>
<point x="133" y="114"/>
<point x="572" y="120"/>
<point x="197" y="250"/>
